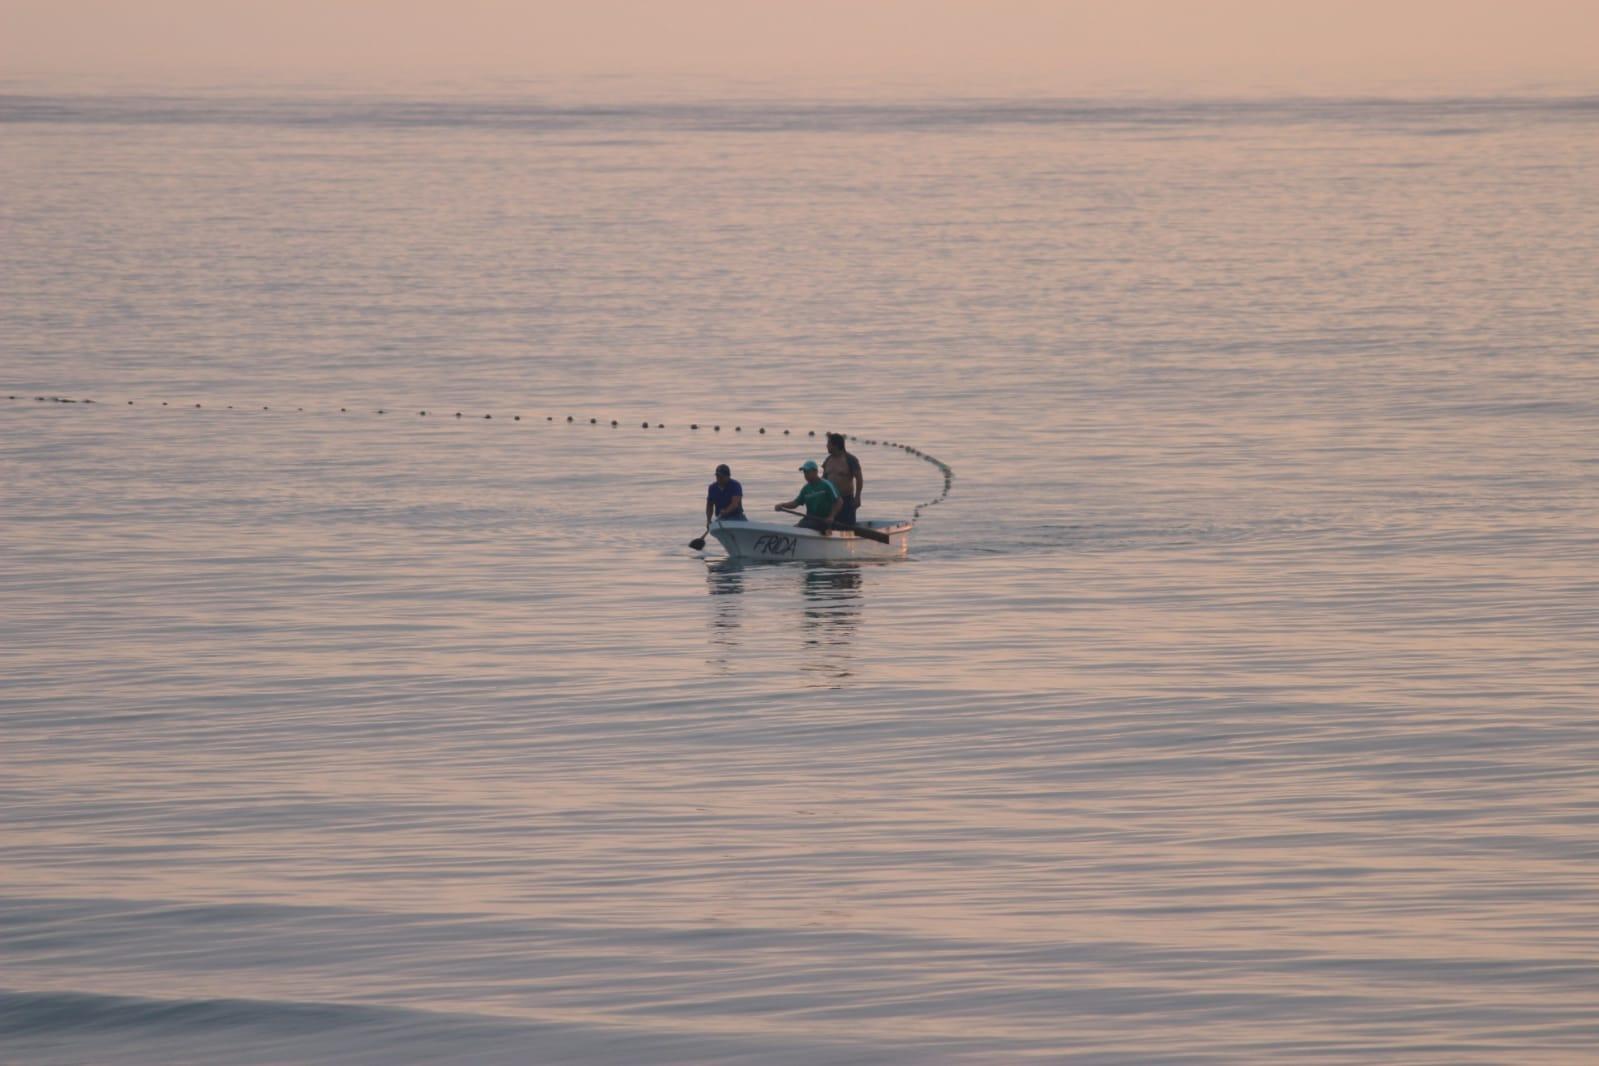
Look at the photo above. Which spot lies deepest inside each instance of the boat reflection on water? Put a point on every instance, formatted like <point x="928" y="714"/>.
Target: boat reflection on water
<point x="830" y="608"/>
<point x="724" y="580"/>
<point x="832" y="601"/>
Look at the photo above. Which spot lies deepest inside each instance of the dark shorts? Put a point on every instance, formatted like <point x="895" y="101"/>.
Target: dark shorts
<point x="810" y="522"/>
<point x="846" y="513"/>
<point x="735" y="517"/>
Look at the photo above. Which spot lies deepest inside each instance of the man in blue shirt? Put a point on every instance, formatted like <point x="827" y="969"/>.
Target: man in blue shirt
<point x="725" y="499"/>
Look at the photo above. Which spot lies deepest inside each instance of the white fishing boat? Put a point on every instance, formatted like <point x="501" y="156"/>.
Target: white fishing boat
<point x="781" y="542"/>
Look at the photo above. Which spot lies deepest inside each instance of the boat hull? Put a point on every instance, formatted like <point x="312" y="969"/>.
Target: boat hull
<point x="782" y="542"/>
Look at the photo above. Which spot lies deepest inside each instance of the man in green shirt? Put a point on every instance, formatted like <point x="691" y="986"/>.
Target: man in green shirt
<point x="820" y="498"/>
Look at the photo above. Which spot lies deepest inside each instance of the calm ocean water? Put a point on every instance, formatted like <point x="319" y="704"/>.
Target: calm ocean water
<point x="1237" y="705"/>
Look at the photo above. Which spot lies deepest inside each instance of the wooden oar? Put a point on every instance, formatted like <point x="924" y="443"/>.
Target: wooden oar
<point x="698" y="543"/>
<point x="860" y="531"/>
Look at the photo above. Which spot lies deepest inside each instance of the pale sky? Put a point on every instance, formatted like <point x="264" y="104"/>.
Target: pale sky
<point x="1064" y="46"/>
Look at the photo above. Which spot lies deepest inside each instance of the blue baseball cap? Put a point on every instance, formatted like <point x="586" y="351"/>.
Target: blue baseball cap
<point x="809" y="464"/>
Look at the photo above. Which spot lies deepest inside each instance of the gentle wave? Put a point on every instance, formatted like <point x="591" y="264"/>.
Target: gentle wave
<point x="24" y="1014"/>
<point x="41" y="1026"/>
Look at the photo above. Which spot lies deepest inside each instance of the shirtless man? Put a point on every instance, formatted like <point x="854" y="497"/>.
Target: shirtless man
<point x="844" y="471"/>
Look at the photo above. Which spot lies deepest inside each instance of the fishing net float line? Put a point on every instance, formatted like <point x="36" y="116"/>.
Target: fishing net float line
<point x="943" y="467"/>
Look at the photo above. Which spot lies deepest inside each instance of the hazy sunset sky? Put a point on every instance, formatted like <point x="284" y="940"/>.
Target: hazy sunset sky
<point x="956" y="45"/>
